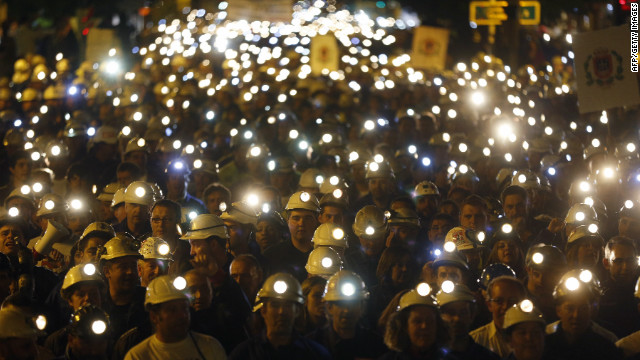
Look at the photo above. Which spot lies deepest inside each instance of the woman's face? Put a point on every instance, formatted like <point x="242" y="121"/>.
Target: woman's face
<point x="588" y="253"/>
<point x="421" y="327"/>
<point x="506" y="251"/>
<point x="315" y="305"/>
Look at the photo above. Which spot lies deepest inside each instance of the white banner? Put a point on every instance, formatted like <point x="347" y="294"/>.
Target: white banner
<point x="430" y="47"/>
<point x="324" y="53"/>
<point x="266" y="10"/>
<point x="602" y="62"/>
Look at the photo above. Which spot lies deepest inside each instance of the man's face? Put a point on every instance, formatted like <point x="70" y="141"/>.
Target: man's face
<point x="176" y="183"/>
<point x="345" y="315"/>
<point x="459" y="316"/>
<point x="302" y="224"/>
<point x="629" y="227"/>
<point x="172" y="319"/>
<point x="122" y="273"/>
<point x="125" y="178"/>
<point x="503" y="295"/>
<point x="149" y="269"/>
<point x="527" y="340"/>
<point x="426" y="206"/>
<point x="245" y="275"/>
<point x="331" y="215"/>
<point x="575" y="315"/>
<point x="238" y="236"/>
<point x="266" y="235"/>
<point x="451" y="273"/>
<point x="622" y="263"/>
<point x="164" y="222"/>
<point x="404" y="234"/>
<point x="214" y="200"/>
<point x="372" y="245"/>
<point x="380" y="188"/>
<point x="515" y="207"/>
<point x="136" y="214"/>
<point x="542" y="281"/>
<point x="421" y="328"/>
<point x="200" y="289"/>
<point x="10" y="238"/>
<point x="21" y="170"/>
<point x="438" y="231"/>
<point x="473" y="217"/>
<point x="279" y="316"/>
<point x="83" y="294"/>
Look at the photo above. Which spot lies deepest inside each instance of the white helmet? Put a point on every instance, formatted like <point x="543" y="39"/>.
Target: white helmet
<point x="525" y="311"/>
<point x="136" y="144"/>
<point x="311" y="178"/>
<point x="15" y="324"/>
<point x="527" y="179"/>
<point x="457" y="292"/>
<point x="81" y="273"/>
<point x="205" y="226"/>
<point x="240" y="212"/>
<point x="139" y="192"/>
<point x="155" y="248"/>
<point x="585" y="231"/>
<point x="108" y="192"/>
<point x="98" y="228"/>
<point x="581" y="214"/>
<point x="345" y="285"/>
<point x="303" y="200"/>
<point x="417" y="296"/>
<point x="117" y="247"/>
<point x="465" y="239"/>
<point x="165" y="288"/>
<point x="329" y="234"/>
<point x="324" y="262"/>
<point x="118" y="198"/>
<point x="426" y="188"/>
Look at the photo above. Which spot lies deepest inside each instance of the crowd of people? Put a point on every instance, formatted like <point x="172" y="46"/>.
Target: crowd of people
<point x="224" y="202"/>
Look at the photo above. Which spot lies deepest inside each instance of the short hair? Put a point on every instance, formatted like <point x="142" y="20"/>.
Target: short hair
<point x="216" y="186"/>
<point x="249" y="259"/>
<point x="131" y="168"/>
<point x="619" y="240"/>
<point x="21" y="154"/>
<point x="514" y="190"/>
<point x="475" y="201"/>
<point x="507" y="279"/>
<point x="170" y="204"/>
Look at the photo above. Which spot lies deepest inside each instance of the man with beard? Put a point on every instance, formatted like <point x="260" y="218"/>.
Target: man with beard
<point x="291" y="256"/>
<point x="280" y="302"/>
<point x="165" y="218"/>
<point x="125" y="297"/>
<point x="137" y="198"/>
<point x="382" y="187"/>
<point x="515" y="202"/>
<point x="168" y="307"/>
<point x="345" y="337"/>
<point x="427" y="199"/>
<point x="240" y="220"/>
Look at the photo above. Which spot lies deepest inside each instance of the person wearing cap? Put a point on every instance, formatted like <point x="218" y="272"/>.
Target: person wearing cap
<point x="405" y="226"/>
<point x="214" y="196"/>
<point x="165" y="220"/>
<point x="138" y="197"/>
<point x="240" y="220"/>
<point x="208" y="238"/>
<point x="82" y="286"/>
<point x="23" y="203"/>
<point x="302" y="218"/>
<point x="156" y="257"/>
<point x="427" y="198"/>
<point x="105" y="197"/>
<point x="574" y="337"/>
<point x="117" y="207"/>
<point x="449" y="265"/>
<point x="372" y="231"/>
<point x="544" y="265"/>
<point x="458" y="309"/>
<point x="416" y="330"/>
<point x="468" y="243"/>
<point x="177" y="181"/>
<point x="18" y="335"/>
<point x="346" y="338"/>
<point x="502" y="293"/>
<point x="280" y="302"/>
<point x="125" y="297"/>
<point x="271" y="229"/>
<point x="89" y="334"/>
<point x="516" y="206"/>
<point x="618" y="304"/>
<point x="382" y="188"/>
<point x="333" y="207"/>
<point x="524" y="329"/>
<point x="19" y="167"/>
<point x="585" y="250"/>
<point x="168" y="306"/>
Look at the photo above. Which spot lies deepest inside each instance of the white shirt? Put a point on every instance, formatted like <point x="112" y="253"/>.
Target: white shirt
<point x="489" y="337"/>
<point x="152" y="348"/>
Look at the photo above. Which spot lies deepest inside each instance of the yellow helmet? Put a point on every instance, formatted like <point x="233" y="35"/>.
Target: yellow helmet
<point x="324" y="262"/>
<point x="280" y="286"/>
<point x="165" y="288"/>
